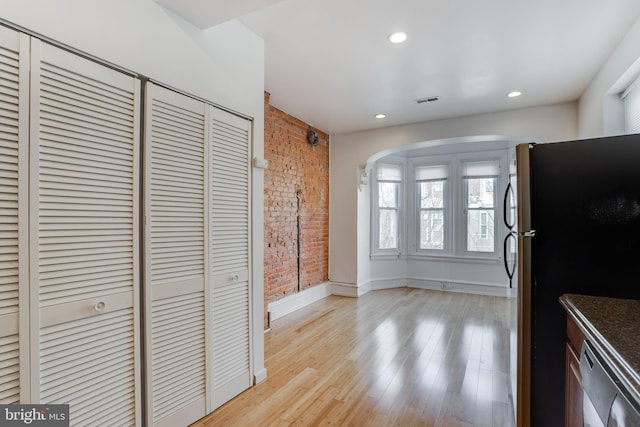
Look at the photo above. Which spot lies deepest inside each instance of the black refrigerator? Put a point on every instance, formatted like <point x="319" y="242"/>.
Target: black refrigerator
<point x="578" y="232"/>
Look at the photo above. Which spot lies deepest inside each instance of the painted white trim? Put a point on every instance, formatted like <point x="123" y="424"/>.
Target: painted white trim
<point x="388" y="283"/>
<point x="291" y="303"/>
<point x="454" y="258"/>
<point x="364" y="288"/>
<point x="351" y="290"/>
<point x="490" y="289"/>
<point x="344" y="289"/>
<point x="260" y="376"/>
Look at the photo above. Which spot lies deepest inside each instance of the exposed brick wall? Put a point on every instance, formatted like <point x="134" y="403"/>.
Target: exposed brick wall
<point x="296" y="170"/>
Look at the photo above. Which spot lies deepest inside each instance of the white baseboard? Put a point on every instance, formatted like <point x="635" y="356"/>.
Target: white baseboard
<point x="291" y="303"/>
<point x="259" y="376"/>
<point x="349" y="289"/>
<point x="490" y="289"/>
<point x="388" y="283"/>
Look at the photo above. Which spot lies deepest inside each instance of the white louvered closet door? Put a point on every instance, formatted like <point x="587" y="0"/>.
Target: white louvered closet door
<point x="229" y="242"/>
<point x="84" y="238"/>
<point x="175" y="253"/>
<point x="14" y="285"/>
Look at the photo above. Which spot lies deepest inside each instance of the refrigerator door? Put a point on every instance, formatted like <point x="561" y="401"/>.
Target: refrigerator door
<point x="523" y="389"/>
<point x="585" y="209"/>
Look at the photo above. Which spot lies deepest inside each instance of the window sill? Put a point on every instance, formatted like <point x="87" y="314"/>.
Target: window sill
<point x="386" y="257"/>
<point x="493" y="259"/>
<point x="446" y="258"/>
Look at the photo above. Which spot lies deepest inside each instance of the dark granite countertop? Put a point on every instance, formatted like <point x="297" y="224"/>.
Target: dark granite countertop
<point x="612" y="325"/>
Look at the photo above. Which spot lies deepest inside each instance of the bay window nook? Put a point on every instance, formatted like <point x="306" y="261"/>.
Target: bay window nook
<point x="436" y="218"/>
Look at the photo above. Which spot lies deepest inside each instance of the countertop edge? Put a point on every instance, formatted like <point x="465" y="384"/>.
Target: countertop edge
<point x="627" y="376"/>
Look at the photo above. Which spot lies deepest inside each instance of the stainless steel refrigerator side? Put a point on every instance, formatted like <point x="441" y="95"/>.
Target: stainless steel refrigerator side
<point x="523" y="406"/>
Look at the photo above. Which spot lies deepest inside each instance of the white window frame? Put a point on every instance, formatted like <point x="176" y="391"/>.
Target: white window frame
<point x="415" y="208"/>
<point x="462" y="212"/>
<point x="455" y="216"/>
<point x="376" y="251"/>
<point x="631" y="99"/>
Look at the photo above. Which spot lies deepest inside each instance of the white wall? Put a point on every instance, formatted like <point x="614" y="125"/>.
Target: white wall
<point x="349" y="213"/>
<point x="224" y="65"/>
<point x="600" y="107"/>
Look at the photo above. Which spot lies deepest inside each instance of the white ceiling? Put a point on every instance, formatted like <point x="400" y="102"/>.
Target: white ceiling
<point x="329" y="63"/>
<point x="208" y="13"/>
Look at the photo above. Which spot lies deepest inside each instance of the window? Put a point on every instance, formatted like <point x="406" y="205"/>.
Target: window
<point x="631" y="99"/>
<point x="389" y="180"/>
<point x="447" y="208"/>
<point x="480" y="181"/>
<point x="430" y="188"/>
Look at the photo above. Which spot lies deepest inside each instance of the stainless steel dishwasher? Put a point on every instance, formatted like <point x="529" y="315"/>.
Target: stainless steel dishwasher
<point x="606" y="403"/>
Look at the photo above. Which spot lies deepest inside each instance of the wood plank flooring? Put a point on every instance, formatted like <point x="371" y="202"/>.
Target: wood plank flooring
<point x="398" y="357"/>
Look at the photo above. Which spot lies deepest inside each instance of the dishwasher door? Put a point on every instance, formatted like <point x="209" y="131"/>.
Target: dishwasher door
<point x="599" y="390"/>
<point x="604" y="403"/>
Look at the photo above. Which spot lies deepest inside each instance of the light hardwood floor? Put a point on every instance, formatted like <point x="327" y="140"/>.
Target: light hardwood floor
<point x="398" y="357"/>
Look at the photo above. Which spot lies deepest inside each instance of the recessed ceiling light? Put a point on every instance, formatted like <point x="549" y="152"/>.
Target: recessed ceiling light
<point x="514" y="94"/>
<point x="398" y="37"/>
<point x="380" y="116"/>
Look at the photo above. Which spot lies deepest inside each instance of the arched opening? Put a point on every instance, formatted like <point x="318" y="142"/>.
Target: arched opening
<point x="436" y="232"/>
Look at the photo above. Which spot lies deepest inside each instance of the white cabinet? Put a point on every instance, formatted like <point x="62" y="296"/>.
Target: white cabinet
<point x="175" y="303"/>
<point x="70" y="264"/>
<point x="85" y="344"/>
<point x="229" y="261"/>
<point x="196" y="256"/>
<point x="14" y="246"/>
<point x="69" y="288"/>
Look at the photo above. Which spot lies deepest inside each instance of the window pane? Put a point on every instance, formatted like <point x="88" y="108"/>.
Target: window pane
<point x="432" y="230"/>
<point x="480" y="192"/>
<point x="480" y="230"/>
<point x="388" y="194"/>
<point x="431" y="194"/>
<point x="388" y="238"/>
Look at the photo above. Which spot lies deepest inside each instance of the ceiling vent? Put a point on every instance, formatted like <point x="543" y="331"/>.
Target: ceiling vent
<point x="428" y="99"/>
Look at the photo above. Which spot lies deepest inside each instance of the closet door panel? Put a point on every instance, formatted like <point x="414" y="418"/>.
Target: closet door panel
<point x="175" y="268"/>
<point x="84" y="237"/>
<point x="229" y="241"/>
<point x="14" y="98"/>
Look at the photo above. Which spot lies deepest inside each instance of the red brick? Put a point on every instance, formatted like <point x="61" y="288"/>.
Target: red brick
<point x="294" y="165"/>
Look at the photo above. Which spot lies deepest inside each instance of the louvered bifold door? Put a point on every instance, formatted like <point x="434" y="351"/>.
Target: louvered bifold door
<point x="14" y="232"/>
<point x="84" y="272"/>
<point x="175" y="250"/>
<point x="229" y="241"/>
